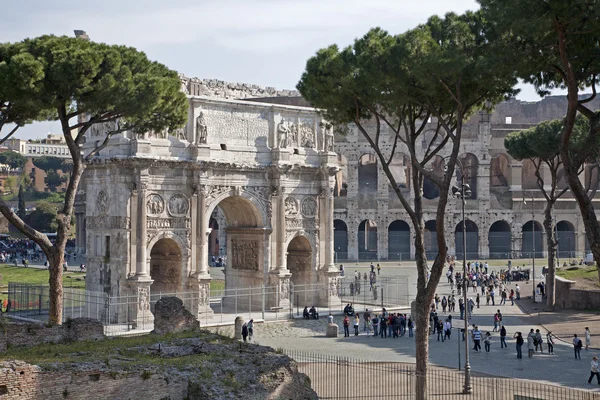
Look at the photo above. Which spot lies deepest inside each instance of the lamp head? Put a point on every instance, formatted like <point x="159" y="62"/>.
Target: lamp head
<point x="455" y="190"/>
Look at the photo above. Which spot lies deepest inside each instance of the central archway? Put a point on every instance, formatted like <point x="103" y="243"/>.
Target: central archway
<point x="165" y="267"/>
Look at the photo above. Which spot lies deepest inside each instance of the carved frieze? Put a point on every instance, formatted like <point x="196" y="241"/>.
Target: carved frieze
<point x="295" y="223"/>
<point x="155" y="205"/>
<point x="143" y="293"/>
<point x="309" y="207"/>
<point x="307" y="134"/>
<point x="178" y="205"/>
<point x="167" y="223"/>
<point x="244" y="254"/>
<point x="110" y="222"/>
<point x="214" y="192"/>
<point x="184" y="235"/>
<point x="102" y="202"/>
<point x="284" y="289"/>
<point x="291" y="206"/>
<point x="262" y="195"/>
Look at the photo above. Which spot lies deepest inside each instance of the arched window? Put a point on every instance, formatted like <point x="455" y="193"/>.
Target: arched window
<point x="399" y="241"/>
<point x="565" y="235"/>
<point x="499" y="239"/>
<point x="340" y="240"/>
<point x="472" y="240"/>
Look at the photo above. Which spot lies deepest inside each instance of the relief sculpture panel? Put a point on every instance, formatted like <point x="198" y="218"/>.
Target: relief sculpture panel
<point x="244" y="254"/>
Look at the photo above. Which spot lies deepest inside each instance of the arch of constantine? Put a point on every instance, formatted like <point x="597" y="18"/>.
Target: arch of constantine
<point x="265" y="171"/>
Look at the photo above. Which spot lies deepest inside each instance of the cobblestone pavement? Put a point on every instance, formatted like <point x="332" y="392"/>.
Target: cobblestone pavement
<point x="561" y="368"/>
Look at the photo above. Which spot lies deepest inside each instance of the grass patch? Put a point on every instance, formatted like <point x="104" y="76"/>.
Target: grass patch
<point x="10" y="273"/>
<point x="579" y="273"/>
<point x="217" y="284"/>
<point x="120" y="348"/>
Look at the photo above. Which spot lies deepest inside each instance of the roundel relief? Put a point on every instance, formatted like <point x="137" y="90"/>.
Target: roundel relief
<point x="102" y="202"/>
<point x="155" y="204"/>
<point x="178" y="205"/>
<point x="309" y="207"/>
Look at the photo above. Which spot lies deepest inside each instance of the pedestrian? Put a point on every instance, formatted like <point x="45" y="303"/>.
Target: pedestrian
<point x="440" y="331"/>
<point x="444" y="304"/>
<point x="512" y="297"/>
<point x="496" y="322"/>
<point x="492" y="295"/>
<point x="477" y="300"/>
<point x="250" y="329"/>
<point x="356" y="324"/>
<point x="447" y="329"/>
<point x="378" y="269"/>
<point x="503" y="337"/>
<point x="518" y="292"/>
<point x="530" y="343"/>
<point x="550" y="342"/>
<point x="487" y="341"/>
<point x="476" y="338"/>
<point x="375" y="323"/>
<point x="594" y="370"/>
<point x="346" y="326"/>
<point x="245" y="331"/>
<point x="577" y="345"/>
<point x="383" y="325"/>
<point x="588" y="338"/>
<point x="366" y="319"/>
<point x="487" y="297"/>
<point x="539" y="341"/>
<point x="519" y="337"/>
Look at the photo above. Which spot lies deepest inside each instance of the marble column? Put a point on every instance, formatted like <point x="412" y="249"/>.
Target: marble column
<point x="141" y="261"/>
<point x="329" y="232"/>
<point x="201" y="233"/>
<point x="281" y="250"/>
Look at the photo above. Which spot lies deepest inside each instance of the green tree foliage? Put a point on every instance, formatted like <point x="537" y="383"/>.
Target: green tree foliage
<point x="541" y="145"/>
<point x="22" y="209"/>
<point x="53" y="180"/>
<point x="48" y="163"/>
<point x="12" y="158"/>
<point x="440" y="70"/>
<point x="10" y="184"/>
<point x="81" y="83"/>
<point x="43" y="218"/>
<point x="554" y="44"/>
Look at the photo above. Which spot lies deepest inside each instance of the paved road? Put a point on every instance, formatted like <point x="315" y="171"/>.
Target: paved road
<point x="561" y="368"/>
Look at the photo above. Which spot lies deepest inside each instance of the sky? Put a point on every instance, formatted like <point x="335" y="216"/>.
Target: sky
<point x="262" y="42"/>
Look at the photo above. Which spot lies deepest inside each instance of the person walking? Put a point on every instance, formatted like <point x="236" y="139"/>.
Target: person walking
<point x="383" y="326"/>
<point x="440" y="330"/>
<point x="518" y="292"/>
<point x="530" y="343"/>
<point x="476" y="338"/>
<point x="594" y="370"/>
<point x="496" y="322"/>
<point x="250" y="329"/>
<point x="378" y="269"/>
<point x="588" y="338"/>
<point x="487" y="341"/>
<point x="356" y="324"/>
<point x="346" y="326"/>
<point x="375" y="323"/>
<point x="477" y="300"/>
<point x="577" y="345"/>
<point x="519" y="339"/>
<point x="447" y="329"/>
<point x="550" y="342"/>
<point x="245" y="331"/>
<point x="503" y="337"/>
<point x="411" y="325"/>
<point x="444" y="304"/>
<point x="539" y="341"/>
<point x="512" y="297"/>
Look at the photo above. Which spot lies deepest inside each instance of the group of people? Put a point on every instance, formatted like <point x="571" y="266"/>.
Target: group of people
<point x="384" y="324"/>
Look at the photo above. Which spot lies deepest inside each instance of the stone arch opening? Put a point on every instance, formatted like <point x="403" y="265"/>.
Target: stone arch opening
<point x="299" y="261"/>
<point x="470" y="166"/>
<point x="341" y="177"/>
<point x="499" y="239"/>
<point x="340" y="240"/>
<point x="472" y="248"/>
<point x="244" y="259"/>
<point x="165" y="267"/>
<point x="565" y="235"/>
<point x="367" y="181"/>
<point x="532" y="234"/>
<point x="367" y="240"/>
<point x="213" y="241"/>
<point x="528" y="178"/>
<point x="500" y="172"/>
<point x="591" y="177"/>
<point x="430" y="189"/>
<point x="431" y="244"/>
<point x="399" y="241"/>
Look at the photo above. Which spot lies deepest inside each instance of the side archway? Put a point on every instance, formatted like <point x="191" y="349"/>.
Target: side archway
<point x="431" y="245"/>
<point x="399" y="241"/>
<point x="499" y="239"/>
<point x="299" y="260"/>
<point x="166" y="265"/>
<point x="367" y="240"/>
<point x="565" y="235"/>
<point x="472" y="240"/>
<point x="340" y="240"/>
<point x="532" y="239"/>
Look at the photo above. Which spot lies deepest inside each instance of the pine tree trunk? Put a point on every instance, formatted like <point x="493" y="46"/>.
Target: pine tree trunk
<point x="56" y="288"/>
<point x="550" y="276"/>
<point x="421" y="323"/>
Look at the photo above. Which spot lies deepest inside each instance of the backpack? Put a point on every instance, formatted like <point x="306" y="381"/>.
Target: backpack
<point x="579" y="343"/>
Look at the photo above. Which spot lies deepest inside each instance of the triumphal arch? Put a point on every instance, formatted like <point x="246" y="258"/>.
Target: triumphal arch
<point x="266" y="169"/>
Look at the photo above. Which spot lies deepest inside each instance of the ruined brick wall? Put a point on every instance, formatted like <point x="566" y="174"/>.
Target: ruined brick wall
<point x="22" y="381"/>
<point x="31" y="334"/>
<point x="231" y="90"/>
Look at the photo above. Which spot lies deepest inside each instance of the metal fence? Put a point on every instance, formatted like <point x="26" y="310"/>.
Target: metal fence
<point x="345" y="378"/>
<point x="118" y="314"/>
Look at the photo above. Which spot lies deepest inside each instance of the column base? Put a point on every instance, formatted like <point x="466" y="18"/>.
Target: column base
<point x="280" y="297"/>
<point x="201" y="151"/>
<point x="200" y="304"/>
<point x="329" y="295"/>
<point x="142" y="317"/>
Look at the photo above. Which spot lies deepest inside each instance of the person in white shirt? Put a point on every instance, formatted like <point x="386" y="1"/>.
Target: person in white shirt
<point x="588" y="338"/>
<point x="594" y="370"/>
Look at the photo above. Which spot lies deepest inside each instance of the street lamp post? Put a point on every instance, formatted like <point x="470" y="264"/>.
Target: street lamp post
<point x="463" y="192"/>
